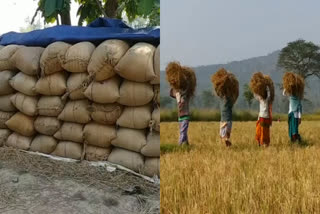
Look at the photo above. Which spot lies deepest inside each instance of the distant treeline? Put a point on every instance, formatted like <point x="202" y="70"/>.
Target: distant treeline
<point x="171" y="115"/>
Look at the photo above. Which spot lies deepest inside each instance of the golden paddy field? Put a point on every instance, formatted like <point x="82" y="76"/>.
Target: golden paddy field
<point x="245" y="178"/>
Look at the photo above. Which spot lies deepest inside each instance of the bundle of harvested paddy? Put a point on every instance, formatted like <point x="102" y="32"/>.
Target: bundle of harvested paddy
<point x="225" y="84"/>
<point x="181" y="78"/>
<point x="259" y="84"/>
<point x="293" y="84"/>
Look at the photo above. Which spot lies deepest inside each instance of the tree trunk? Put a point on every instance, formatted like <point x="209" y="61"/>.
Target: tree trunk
<point x="111" y="8"/>
<point x="65" y="18"/>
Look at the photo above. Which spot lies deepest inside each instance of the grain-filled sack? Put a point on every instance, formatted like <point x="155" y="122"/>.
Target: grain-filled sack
<point x="4" y="117"/>
<point x="130" y="139"/>
<point x="25" y="104"/>
<point x="94" y="153"/>
<point x="152" y="148"/>
<point x="27" y="59"/>
<point x="104" y="92"/>
<point x="52" y="85"/>
<point x="68" y="149"/>
<point x="77" y="57"/>
<point x="135" y="93"/>
<point x="74" y="83"/>
<point x="1" y="46"/>
<point x="76" y="112"/>
<point x="99" y="135"/>
<point x="126" y="158"/>
<point x="24" y="83"/>
<point x="44" y="144"/>
<point x="18" y="141"/>
<point x="47" y="125"/>
<point x="50" y="106"/>
<point x="107" y="114"/>
<point x="5" y="87"/>
<point x="21" y="124"/>
<point x="135" y="117"/>
<point x="151" y="167"/>
<point x="4" y="134"/>
<point x="5" y="103"/>
<point x="156" y="66"/>
<point x="5" y="54"/>
<point x="137" y="64"/>
<point x="70" y="132"/>
<point x="155" y="120"/>
<point x="156" y="91"/>
<point x="49" y="61"/>
<point x="105" y="57"/>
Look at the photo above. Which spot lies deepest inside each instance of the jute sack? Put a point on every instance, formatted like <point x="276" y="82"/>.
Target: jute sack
<point x="5" y="103"/>
<point x="27" y="60"/>
<point x="18" y="141"/>
<point x="76" y="112"/>
<point x="104" y="92"/>
<point x="130" y="139"/>
<point x="5" y="54"/>
<point x="135" y="93"/>
<point x="152" y="149"/>
<point x="99" y="135"/>
<point x="52" y="85"/>
<point x="25" y="104"/>
<point x="44" y="144"/>
<point x="4" y="134"/>
<point x="68" y="149"/>
<point x="156" y="66"/>
<point x="126" y="158"/>
<point x="5" y="87"/>
<point x="137" y="64"/>
<point x="155" y="120"/>
<point x="21" y="124"/>
<point x="77" y="57"/>
<point x="107" y="114"/>
<point x="75" y="80"/>
<point x="1" y="46"/>
<point x="151" y="167"/>
<point x="49" y="61"/>
<point x="50" y="106"/>
<point x="70" y="132"/>
<point x="24" y="84"/>
<point x="4" y="117"/>
<point x="47" y="125"/>
<point x="135" y="117"/>
<point x="156" y="91"/>
<point x="94" y="153"/>
<point x="105" y="57"/>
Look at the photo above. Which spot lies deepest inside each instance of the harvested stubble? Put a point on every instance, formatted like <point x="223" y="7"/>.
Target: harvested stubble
<point x="225" y="84"/>
<point x="181" y="78"/>
<point x="259" y="84"/>
<point x="293" y="84"/>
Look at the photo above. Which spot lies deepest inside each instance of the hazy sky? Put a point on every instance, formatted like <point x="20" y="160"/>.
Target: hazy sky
<point x="14" y="12"/>
<point x="219" y="31"/>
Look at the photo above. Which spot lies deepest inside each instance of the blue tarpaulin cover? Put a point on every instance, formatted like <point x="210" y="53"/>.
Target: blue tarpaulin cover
<point x="96" y="32"/>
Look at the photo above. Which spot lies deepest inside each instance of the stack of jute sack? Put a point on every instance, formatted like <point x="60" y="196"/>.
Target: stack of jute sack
<point x="83" y="102"/>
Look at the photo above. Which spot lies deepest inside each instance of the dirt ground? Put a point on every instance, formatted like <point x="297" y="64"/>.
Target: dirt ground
<point x="36" y="184"/>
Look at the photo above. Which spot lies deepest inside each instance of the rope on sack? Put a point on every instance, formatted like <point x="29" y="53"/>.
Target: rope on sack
<point x="151" y="125"/>
<point x="83" y="86"/>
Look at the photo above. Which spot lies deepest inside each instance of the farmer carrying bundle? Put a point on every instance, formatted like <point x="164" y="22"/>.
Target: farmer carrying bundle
<point x="226" y="86"/>
<point x="293" y="85"/>
<point x="183" y="83"/>
<point x="263" y="90"/>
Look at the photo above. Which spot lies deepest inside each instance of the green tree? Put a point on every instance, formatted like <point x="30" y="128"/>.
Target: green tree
<point x="301" y="57"/>
<point x="89" y="10"/>
<point x="207" y="98"/>
<point x="51" y="10"/>
<point x="248" y="95"/>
